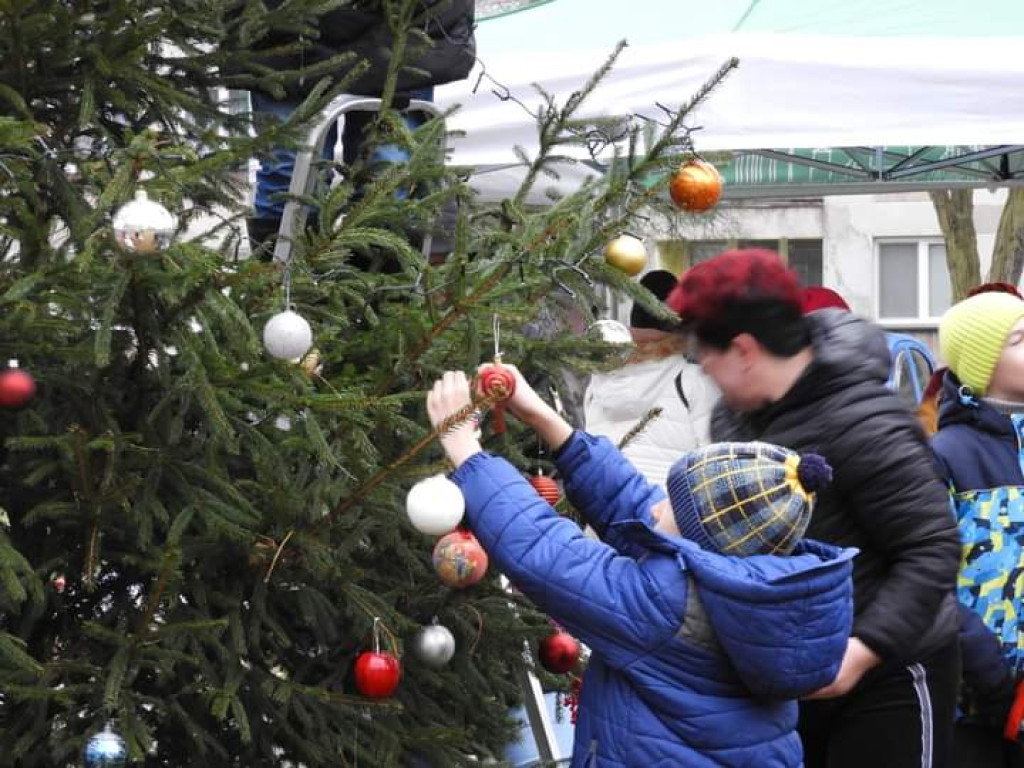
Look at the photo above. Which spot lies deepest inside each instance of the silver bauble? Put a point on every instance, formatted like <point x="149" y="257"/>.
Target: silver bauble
<point x="610" y="332"/>
<point x="106" y="750"/>
<point x="143" y="226"/>
<point x="287" y="336"/>
<point x="433" y="645"/>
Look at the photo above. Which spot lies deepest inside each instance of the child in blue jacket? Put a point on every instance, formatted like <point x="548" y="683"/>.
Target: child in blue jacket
<point x="707" y="614"/>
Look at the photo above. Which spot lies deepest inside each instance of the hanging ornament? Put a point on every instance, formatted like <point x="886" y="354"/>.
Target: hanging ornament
<point x="433" y="645"/>
<point x="627" y="254"/>
<point x="17" y="387"/>
<point x="498" y="381"/>
<point x="311" y="362"/>
<point x="59" y="583"/>
<point x="610" y="332"/>
<point x="143" y="226"/>
<point x="435" y="506"/>
<point x="696" y="186"/>
<point x="377" y="672"/>
<point x="459" y="559"/>
<point x="287" y="336"/>
<point x="546" y="487"/>
<point x="106" y="750"/>
<point x="559" y="653"/>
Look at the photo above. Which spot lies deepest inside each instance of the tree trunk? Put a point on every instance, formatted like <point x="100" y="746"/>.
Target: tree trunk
<point x="1008" y="256"/>
<point x="955" y="209"/>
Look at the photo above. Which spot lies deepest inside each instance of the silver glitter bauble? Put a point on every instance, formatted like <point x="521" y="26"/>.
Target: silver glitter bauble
<point x="106" y="750"/>
<point x="433" y="645"/>
<point x="287" y="336"/>
<point x="610" y="332"/>
<point x="143" y="226"/>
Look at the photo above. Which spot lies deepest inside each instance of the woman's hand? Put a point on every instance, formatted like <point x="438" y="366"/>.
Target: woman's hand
<point x="449" y="395"/>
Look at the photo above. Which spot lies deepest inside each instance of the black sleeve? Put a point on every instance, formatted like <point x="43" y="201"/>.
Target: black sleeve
<point x="887" y="480"/>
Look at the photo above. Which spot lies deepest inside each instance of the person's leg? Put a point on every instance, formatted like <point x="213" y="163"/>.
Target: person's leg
<point x="900" y="717"/>
<point x="275" y="173"/>
<point x="274" y="177"/>
<point x="815" y="726"/>
<point x="978" y="746"/>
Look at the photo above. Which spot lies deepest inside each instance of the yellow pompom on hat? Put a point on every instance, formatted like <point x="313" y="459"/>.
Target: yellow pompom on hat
<point x="972" y="334"/>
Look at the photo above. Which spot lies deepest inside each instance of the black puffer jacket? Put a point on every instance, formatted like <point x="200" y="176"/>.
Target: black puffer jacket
<point x="885" y="498"/>
<point x="361" y="28"/>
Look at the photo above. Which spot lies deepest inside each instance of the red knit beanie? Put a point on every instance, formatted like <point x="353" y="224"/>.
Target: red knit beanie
<point x="708" y="288"/>
<point x="816" y="297"/>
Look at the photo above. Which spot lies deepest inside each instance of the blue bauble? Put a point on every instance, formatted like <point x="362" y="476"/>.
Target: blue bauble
<point x="106" y="750"/>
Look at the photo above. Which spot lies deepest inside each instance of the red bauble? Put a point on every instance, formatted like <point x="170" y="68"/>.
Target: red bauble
<point x="17" y="388"/>
<point x="377" y="674"/>
<point x="496" y="380"/>
<point x="559" y="653"/>
<point x="459" y="559"/>
<point x="696" y="186"/>
<point x="546" y="488"/>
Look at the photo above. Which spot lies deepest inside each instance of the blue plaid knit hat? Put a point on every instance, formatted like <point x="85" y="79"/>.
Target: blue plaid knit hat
<point x="745" y="498"/>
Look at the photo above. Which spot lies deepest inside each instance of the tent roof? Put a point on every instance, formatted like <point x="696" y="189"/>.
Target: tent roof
<point x="820" y="75"/>
<point x="542" y="26"/>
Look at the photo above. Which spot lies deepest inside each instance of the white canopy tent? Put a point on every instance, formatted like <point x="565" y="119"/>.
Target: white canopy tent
<point x="813" y="74"/>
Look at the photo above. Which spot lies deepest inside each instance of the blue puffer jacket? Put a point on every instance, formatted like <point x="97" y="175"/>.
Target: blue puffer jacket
<point x="696" y="657"/>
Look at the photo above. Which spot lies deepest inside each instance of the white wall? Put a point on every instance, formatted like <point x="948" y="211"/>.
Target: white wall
<point x="852" y="224"/>
<point x="849" y="227"/>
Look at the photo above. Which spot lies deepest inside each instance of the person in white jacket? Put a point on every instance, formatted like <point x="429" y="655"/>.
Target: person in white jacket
<point x="658" y="375"/>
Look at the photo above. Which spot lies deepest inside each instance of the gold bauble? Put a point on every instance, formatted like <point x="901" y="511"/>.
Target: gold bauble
<point x="311" y="361"/>
<point x="626" y="253"/>
<point x="696" y="186"/>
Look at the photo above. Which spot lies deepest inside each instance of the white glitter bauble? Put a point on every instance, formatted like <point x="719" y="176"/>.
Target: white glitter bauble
<point x="143" y="226"/>
<point x="287" y="336"/>
<point x="435" y="506"/>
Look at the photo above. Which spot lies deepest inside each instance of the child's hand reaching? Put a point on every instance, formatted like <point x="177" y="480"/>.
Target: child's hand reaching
<point x="449" y="395"/>
<point x="527" y="406"/>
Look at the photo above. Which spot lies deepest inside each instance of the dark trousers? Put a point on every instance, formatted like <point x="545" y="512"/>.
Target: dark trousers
<point x="896" y="717"/>
<point x="979" y="746"/>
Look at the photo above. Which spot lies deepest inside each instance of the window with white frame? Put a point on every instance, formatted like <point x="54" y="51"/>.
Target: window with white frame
<point x="913" y="280"/>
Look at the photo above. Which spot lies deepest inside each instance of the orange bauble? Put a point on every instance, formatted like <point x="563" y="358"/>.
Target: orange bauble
<point x="696" y="186"/>
<point x="546" y="488"/>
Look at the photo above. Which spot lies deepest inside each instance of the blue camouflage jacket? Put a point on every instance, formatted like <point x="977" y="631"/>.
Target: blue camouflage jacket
<point x="697" y="658"/>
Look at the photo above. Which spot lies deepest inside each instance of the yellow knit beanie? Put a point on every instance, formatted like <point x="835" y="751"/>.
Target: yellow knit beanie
<point x="972" y="334"/>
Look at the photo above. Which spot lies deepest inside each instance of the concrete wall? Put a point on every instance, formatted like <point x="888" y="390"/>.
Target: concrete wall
<point x="849" y="226"/>
<point x="852" y="225"/>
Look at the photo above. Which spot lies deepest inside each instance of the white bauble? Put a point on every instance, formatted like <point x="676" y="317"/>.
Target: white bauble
<point x="287" y="336"/>
<point x="433" y="645"/>
<point x="435" y="506"/>
<point x="143" y="226"/>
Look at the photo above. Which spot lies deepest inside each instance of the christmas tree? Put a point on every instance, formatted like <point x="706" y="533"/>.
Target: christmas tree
<point x="198" y="539"/>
